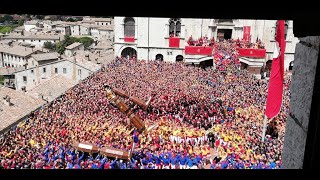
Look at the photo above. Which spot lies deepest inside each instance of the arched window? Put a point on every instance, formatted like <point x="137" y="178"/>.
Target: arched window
<point x="174" y="27"/>
<point x="178" y="28"/>
<point x="291" y="65"/>
<point x="171" y="28"/>
<point x="129" y="27"/>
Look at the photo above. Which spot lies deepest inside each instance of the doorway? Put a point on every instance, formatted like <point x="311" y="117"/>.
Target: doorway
<point x="224" y="34"/>
<point x="129" y="52"/>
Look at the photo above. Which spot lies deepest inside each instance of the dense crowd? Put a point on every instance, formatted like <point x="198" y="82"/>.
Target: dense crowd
<point x="202" y="41"/>
<point x="205" y="41"/>
<point x="188" y="103"/>
<point x="253" y="45"/>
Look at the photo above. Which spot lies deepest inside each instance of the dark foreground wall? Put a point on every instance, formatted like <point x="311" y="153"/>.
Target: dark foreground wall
<point x="302" y="94"/>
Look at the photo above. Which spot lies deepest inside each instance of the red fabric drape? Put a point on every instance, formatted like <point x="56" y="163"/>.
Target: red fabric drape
<point x="174" y="42"/>
<point x="274" y="99"/>
<point x="255" y="53"/>
<point x="128" y="39"/>
<point x="199" y="50"/>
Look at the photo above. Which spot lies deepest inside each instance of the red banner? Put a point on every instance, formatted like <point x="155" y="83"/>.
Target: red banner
<point x="275" y="90"/>
<point x="174" y="42"/>
<point x="128" y="39"/>
<point x="254" y="53"/>
<point x="246" y="33"/>
<point x="198" y="50"/>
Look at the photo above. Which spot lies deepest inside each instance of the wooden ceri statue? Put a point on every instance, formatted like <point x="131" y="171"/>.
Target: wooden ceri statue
<point x="134" y="119"/>
<point x="108" y="151"/>
<point x="139" y="102"/>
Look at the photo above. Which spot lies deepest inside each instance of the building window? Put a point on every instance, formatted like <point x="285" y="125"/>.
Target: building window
<point x="174" y="27"/>
<point x="24" y="78"/>
<point x="44" y="70"/>
<point x="129" y="27"/>
<point x="64" y="70"/>
<point x="286" y="27"/>
<point x="79" y="71"/>
<point x="56" y="70"/>
<point x="31" y="71"/>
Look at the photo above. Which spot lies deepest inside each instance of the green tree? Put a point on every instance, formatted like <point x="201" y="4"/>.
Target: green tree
<point x="5" y="29"/>
<point x="1" y="80"/>
<point x="7" y="17"/>
<point x="20" y="22"/>
<point x="49" y="45"/>
<point x="86" y="41"/>
<point x="71" y="20"/>
<point x="68" y="40"/>
<point x="60" y="47"/>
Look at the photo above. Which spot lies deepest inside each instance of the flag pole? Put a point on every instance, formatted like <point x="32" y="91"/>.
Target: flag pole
<point x="264" y="127"/>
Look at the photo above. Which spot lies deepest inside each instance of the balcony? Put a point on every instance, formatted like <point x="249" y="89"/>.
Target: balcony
<point x="252" y="53"/>
<point x="198" y="50"/>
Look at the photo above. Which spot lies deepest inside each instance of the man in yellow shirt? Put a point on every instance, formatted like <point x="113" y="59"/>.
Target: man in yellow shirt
<point x="189" y="135"/>
<point x="175" y="135"/>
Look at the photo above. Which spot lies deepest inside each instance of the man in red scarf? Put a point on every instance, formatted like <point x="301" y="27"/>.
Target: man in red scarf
<point x="190" y="41"/>
<point x="212" y="41"/>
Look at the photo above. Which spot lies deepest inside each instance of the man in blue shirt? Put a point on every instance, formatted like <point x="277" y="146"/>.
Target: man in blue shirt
<point x="182" y="160"/>
<point x="165" y="161"/>
<point x="273" y="165"/>
<point x="189" y="163"/>
<point x="157" y="161"/>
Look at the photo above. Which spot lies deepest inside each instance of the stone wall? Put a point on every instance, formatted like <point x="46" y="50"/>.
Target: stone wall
<point x="305" y="58"/>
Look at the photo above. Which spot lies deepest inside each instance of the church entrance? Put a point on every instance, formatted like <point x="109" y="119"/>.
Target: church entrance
<point x="268" y="68"/>
<point x="179" y="58"/>
<point x="224" y="34"/>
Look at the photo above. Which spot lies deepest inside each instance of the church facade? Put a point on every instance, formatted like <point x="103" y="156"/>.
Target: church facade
<point x="166" y="38"/>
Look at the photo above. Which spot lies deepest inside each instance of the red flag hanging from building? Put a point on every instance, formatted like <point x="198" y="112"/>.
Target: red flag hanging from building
<point x="275" y="90"/>
<point x="246" y="33"/>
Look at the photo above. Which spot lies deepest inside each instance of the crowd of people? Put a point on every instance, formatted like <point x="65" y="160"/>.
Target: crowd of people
<point x="202" y="41"/>
<point x="187" y="104"/>
<point x="252" y="45"/>
<point x="205" y="41"/>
